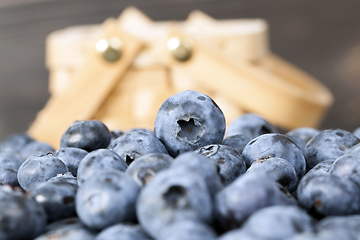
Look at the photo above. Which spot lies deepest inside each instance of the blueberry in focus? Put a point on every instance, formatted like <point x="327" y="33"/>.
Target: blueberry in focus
<point x="39" y="169"/>
<point x="173" y="195"/>
<point x="71" y="157"/>
<point x="251" y="125"/>
<point x="247" y="194"/>
<point x="107" y="198"/>
<point x="229" y="162"/>
<point x="202" y="166"/>
<point x="278" y="169"/>
<point x="187" y="121"/>
<point x="144" y="168"/>
<point x="328" y="144"/>
<point x="101" y="159"/>
<point x="135" y="144"/>
<point x="237" y="141"/>
<point x="275" y="145"/>
<point x="328" y="195"/>
<point x="88" y="135"/>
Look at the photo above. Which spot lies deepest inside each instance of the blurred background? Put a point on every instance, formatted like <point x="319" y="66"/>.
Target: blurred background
<point x="321" y="37"/>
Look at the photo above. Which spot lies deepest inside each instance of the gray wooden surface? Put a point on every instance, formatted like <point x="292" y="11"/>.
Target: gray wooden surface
<point x="321" y="37"/>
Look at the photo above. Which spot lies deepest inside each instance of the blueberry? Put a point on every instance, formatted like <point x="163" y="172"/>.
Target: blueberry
<point x="327" y="195"/>
<point x="68" y="234"/>
<point x="39" y="169"/>
<point x="182" y="230"/>
<point x="354" y="149"/>
<point x="36" y="148"/>
<point x="87" y="135"/>
<point x="15" y="142"/>
<point x="135" y="144"/>
<point x="107" y="198"/>
<point x="299" y="142"/>
<point x="64" y="178"/>
<point x="341" y="224"/>
<point x="278" y="222"/>
<point x="247" y="194"/>
<point x="187" y="121"/>
<point x="356" y="132"/>
<point x="71" y="157"/>
<point x="305" y="133"/>
<point x="58" y="199"/>
<point x="237" y="141"/>
<point x="144" y="168"/>
<point x="173" y="195"/>
<point x="237" y="234"/>
<point x="141" y="130"/>
<point x="21" y="217"/>
<point x="348" y="166"/>
<point x="9" y="165"/>
<point x="122" y="231"/>
<point x="323" y="167"/>
<point x="278" y="169"/>
<point x="98" y="160"/>
<point x="69" y="223"/>
<point x="101" y="159"/>
<point x="275" y="145"/>
<point x="328" y="144"/>
<point x="115" y="134"/>
<point x="251" y="125"/>
<point x="200" y="165"/>
<point x="229" y="162"/>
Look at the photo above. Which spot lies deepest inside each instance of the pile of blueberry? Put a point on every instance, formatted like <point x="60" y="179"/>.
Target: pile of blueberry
<point x="186" y="180"/>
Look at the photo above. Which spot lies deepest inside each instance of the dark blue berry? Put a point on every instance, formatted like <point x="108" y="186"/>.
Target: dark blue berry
<point x="87" y="135"/>
<point x="187" y="121"/>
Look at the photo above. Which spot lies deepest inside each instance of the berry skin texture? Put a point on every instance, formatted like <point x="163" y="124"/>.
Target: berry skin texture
<point x="15" y="142"/>
<point x="275" y="145"/>
<point x="328" y="144"/>
<point x="247" y="194"/>
<point x="251" y="125"/>
<point x="71" y="157"/>
<point x="229" y="162"/>
<point x="278" y="169"/>
<point x="101" y="159"/>
<point x="278" y="222"/>
<point x="202" y="166"/>
<point x="107" y="198"/>
<point x="87" y="135"/>
<point x="329" y="195"/>
<point x="135" y="144"/>
<point x="144" y="168"/>
<point x="187" y="121"/>
<point x="173" y="195"/>
<point x="58" y="199"/>
<point x="237" y="141"/>
<point x="40" y="169"/>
